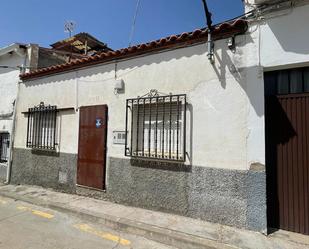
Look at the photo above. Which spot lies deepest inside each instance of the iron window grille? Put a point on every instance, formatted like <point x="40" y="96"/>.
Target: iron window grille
<point x="156" y="127"/>
<point x="41" y="130"/>
<point x="4" y="146"/>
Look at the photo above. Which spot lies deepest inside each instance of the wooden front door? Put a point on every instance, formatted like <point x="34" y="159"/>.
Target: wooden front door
<point x="287" y="154"/>
<point x="92" y="146"/>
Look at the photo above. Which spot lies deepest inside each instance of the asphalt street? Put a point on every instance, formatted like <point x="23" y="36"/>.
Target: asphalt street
<point x="24" y="226"/>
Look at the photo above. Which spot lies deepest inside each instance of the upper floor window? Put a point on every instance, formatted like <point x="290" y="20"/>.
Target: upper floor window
<point x="41" y="130"/>
<point x="155" y="127"/>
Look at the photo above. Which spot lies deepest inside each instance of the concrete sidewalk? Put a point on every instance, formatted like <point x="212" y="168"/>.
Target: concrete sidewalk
<point x="177" y="231"/>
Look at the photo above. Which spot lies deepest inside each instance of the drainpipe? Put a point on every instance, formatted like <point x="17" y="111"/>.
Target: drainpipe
<point x="9" y="169"/>
<point x="10" y="161"/>
<point x="210" y="48"/>
<point x="76" y="91"/>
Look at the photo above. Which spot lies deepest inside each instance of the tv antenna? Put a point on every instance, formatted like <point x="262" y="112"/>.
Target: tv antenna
<point x="69" y="27"/>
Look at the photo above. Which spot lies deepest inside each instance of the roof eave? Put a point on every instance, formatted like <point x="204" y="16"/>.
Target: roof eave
<point x="173" y="42"/>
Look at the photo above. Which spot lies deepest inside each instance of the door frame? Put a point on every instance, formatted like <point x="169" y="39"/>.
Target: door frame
<point x="104" y="152"/>
<point x="272" y="95"/>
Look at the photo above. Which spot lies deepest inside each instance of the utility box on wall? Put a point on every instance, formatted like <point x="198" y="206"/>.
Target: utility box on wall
<point x="119" y="137"/>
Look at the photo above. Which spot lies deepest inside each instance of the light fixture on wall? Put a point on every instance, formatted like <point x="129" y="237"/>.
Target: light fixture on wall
<point x="119" y="86"/>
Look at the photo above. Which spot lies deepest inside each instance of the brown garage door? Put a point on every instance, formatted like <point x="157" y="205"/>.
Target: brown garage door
<point x="287" y="156"/>
<point x="92" y="146"/>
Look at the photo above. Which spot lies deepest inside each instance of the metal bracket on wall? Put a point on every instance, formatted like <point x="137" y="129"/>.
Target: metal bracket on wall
<point x="154" y="93"/>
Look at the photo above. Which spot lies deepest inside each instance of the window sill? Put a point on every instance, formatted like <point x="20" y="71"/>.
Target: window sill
<point x="153" y="155"/>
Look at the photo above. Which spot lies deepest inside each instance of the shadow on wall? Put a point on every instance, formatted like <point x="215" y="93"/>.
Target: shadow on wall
<point x="189" y="153"/>
<point x="177" y="167"/>
<point x="243" y="75"/>
<point x="279" y="131"/>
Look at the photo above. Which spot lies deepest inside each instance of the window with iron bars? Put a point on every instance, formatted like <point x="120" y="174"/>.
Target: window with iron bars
<point x="41" y="130"/>
<point x="4" y="146"/>
<point x="156" y="127"/>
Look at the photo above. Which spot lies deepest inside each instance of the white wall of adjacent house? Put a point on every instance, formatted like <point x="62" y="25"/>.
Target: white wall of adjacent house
<point x="224" y="116"/>
<point x="284" y="38"/>
<point x="280" y="39"/>
<point x="8" y="92"/>
<point x="251" y="4"/>
<point x="8" y="88"/>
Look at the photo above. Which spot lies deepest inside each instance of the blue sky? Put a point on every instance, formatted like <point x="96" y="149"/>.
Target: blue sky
<point x="41" y="22"/>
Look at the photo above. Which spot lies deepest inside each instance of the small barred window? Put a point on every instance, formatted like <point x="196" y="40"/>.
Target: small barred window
<point x="155" y="127"/>
<point x="4" y="146"/>
<point x="41" y="130"/>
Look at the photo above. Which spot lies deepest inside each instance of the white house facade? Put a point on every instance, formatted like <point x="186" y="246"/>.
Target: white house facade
<point x="160" y="126"/>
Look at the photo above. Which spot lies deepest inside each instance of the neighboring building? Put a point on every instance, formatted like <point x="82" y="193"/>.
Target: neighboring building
<point x="81" y="43"/>
<point x="18" y="58"/>
<point x="159" y="126"/>
<point x="12" y="59"/>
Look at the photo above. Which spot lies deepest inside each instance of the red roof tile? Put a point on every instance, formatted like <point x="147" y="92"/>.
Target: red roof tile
<point x="220" y="31"/>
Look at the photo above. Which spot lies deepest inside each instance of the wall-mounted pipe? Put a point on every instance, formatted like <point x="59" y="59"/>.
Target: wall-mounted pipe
<point x="210" y="48"/>
<point x="12" y="135"/>
<point x="210" y="43"/>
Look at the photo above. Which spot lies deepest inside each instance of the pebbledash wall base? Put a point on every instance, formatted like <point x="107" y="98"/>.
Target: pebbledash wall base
<point x="46" y="169"/>
<point x="3" y="170"/>
<point x="230" y="197"/>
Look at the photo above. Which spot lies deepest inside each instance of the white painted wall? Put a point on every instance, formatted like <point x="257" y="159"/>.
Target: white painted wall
<point x="279" y="40"/>
<point x="284" y="39"/>
<point x="221" y="104"/>
<point x="8" y="89"/>
<point x="9" y="79"/>
<point x="252" y="3"/>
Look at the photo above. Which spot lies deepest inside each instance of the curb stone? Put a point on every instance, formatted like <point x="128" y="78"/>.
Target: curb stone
<point x="162" y="235"/>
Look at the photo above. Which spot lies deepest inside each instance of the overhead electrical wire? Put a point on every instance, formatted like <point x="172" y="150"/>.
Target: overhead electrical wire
<point x="208" y="15"/>
<point x="134" y="22"/>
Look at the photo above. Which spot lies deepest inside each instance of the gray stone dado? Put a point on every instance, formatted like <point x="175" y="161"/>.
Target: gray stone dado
<point x="3" y="169"/>
<point x="231" y="197"/>
<point x="46" y="169"/>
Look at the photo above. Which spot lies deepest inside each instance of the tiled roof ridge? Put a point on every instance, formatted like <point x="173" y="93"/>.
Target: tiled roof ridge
<point x="222" y="30"/>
